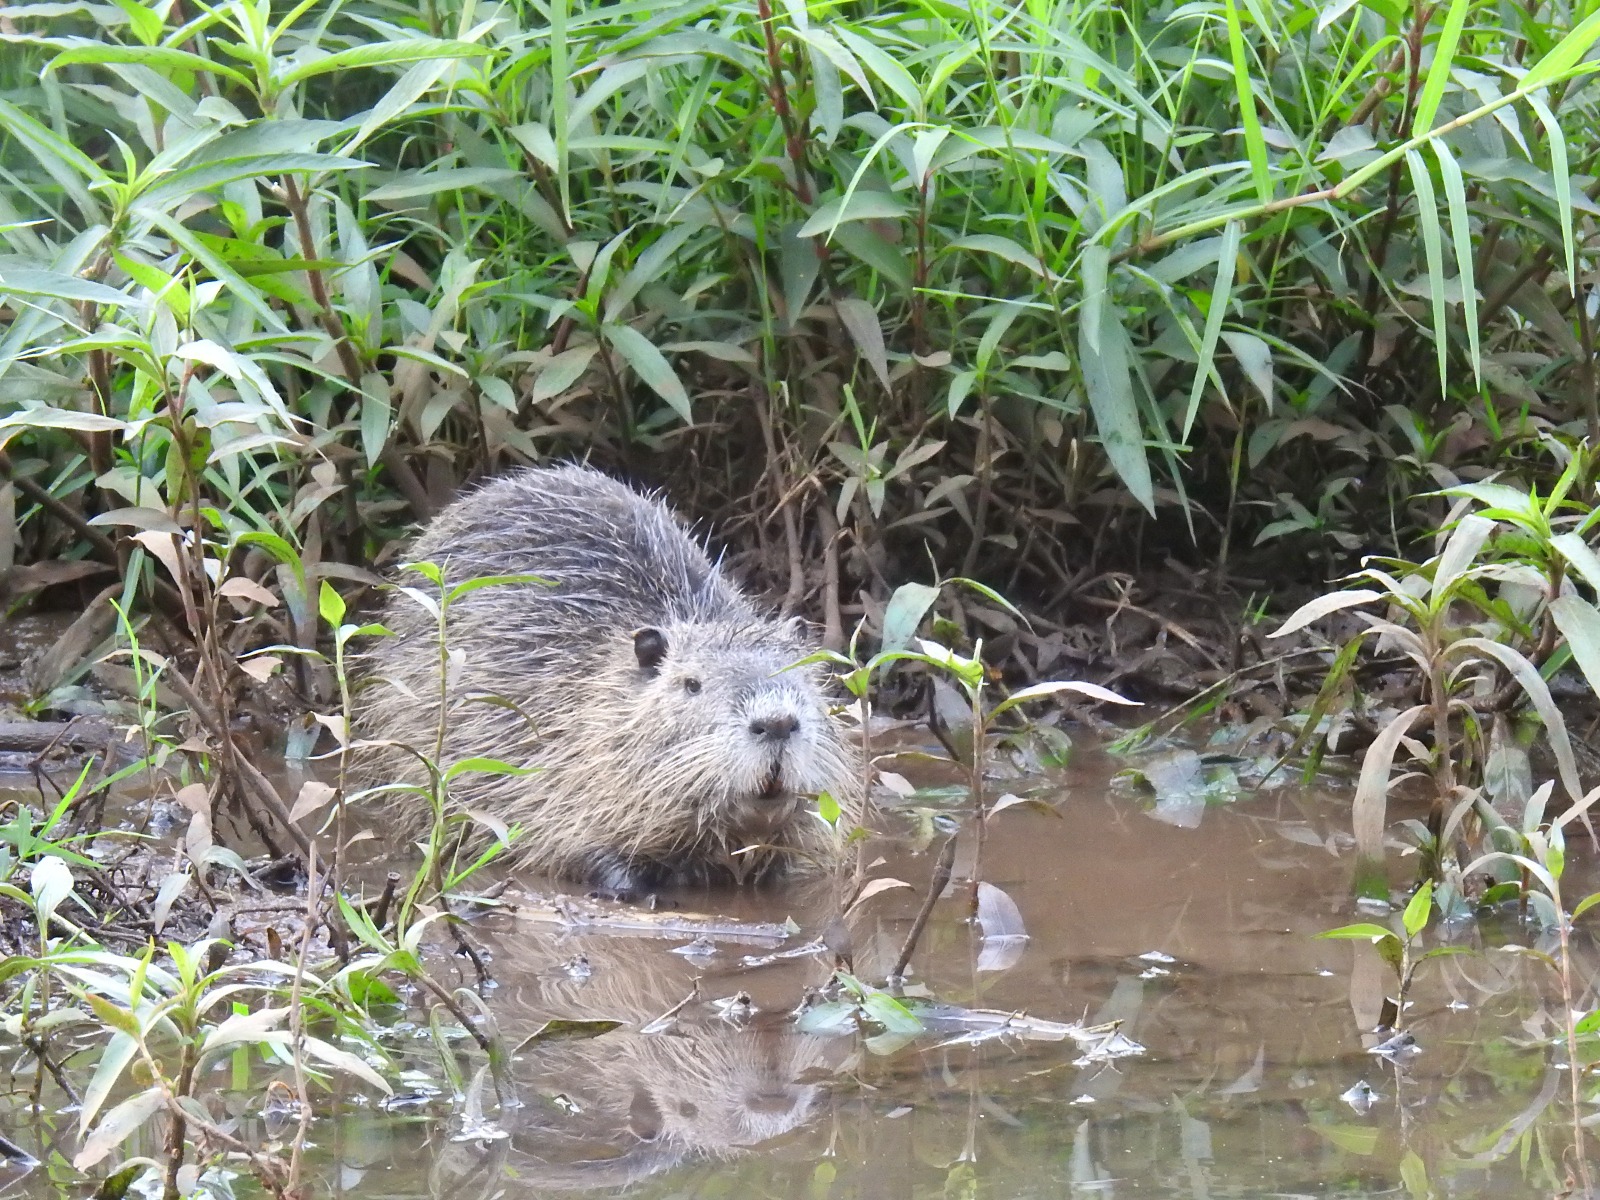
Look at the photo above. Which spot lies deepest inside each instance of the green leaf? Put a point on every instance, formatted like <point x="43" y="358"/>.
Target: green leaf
<point x="1415" y="917"/>
<point x="886" y="67"/>
<point x="330" y="605"/>
<point x="860" y="205"/>
<point x="37" y="281"/>
<point x="860" y="320"/>
<point x="1444" y="53"/>
<point x="1103" y="358"/>
<point x="61" y="418"/>
<point x="894" y="1016"/>
<point x="427" y="183"/>
<point x="566" y="1031"/>
<point x="1038" y="691"/>
<point x="468" y="586"/>
<point x="1455" y="194"/>
<point x="157" y="58"/>
<point x="381" y="54"/>
<point x="1561" y="182"/>
<point x="1579" y="623"/>
<point x="650" y="365"/>
<point x="1580" y="557"/>
<point x="1364" y="932"/>
<point x="1534" y="687"/>
<point x="1255" y="143"/>
<point x="485" y="766"/>
<point x="1564" y="56"/>
<point x="1585" y="904"/>
<point x="118" y="1125"/>
<point x="1432" y="242"/>
<point x="1221" y="296"/>
<point x="114" y="1059"/>
<point x="1001" y="247"/>
<point x="904" y="613"/>
<point x="377" y="416"/>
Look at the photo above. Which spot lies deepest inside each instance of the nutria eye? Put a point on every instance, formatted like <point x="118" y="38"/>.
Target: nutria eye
<point x="692" y="686"/>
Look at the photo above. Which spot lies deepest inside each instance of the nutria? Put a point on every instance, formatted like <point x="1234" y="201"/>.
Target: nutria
<point x="653" y="701"/>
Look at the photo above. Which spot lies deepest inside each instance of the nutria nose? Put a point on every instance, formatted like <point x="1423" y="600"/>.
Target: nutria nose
<point x="775" y="729"/>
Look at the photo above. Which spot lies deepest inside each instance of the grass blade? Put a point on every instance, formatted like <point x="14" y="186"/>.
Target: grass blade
<point x="1455" y="194"/>
<point x="1433" y="244"/>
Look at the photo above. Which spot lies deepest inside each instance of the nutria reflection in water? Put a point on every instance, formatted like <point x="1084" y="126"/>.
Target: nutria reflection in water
<point x="668" y="723"/>
<point x="609" y="1111"/>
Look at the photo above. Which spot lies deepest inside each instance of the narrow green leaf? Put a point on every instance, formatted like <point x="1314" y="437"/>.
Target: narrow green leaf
<point x="1455" y="194"/>
<point x="1444" y="54"/>
<point x="428" y="183"/>
<point x="1564" y="56"/>
<point x="860" y="320"/>
<point x="886" y="67"/>
<point x="158" y="58"/>
<point x="1364" y="932"/>
<point x="53" y="285"/>
<point x="860" y="205"/>
<point x="1561" y="180"/>
<point x="650" y="365"/>
<point x="1433" y="245"/>
<point x="1001" y="247"/>
<point x="1255" y="143"/>
<point x="377" y="415"/>
<point x="1109" y="385"/>
<point x="1221" y="296"/>
<point x="381" y="54"/>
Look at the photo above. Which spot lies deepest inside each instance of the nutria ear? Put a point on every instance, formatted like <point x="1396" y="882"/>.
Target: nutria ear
<point x="650" y="645"/>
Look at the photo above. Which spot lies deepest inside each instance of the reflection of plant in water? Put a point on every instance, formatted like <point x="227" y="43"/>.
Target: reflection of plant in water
<point x="995" y="913"/>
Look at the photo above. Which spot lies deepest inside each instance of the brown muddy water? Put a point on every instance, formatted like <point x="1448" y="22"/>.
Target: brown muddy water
<point x="1249" y="1071"/>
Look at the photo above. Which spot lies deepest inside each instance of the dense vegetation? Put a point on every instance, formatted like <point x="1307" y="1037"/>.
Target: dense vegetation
<point x="1031" y="290"/>
<point x="1022" y="282"/>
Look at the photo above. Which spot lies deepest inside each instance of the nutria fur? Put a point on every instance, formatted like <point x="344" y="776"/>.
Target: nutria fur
<point x="645" y="689"/>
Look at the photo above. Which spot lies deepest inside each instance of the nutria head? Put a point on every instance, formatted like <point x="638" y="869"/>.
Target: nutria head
<point x="743" y="736"/>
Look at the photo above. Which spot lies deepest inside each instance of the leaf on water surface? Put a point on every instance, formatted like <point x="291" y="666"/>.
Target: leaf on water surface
<point x="1009" y="800"/>
<point x="1363" y="931"/>
<point x="1004" y="935"/>
<point x="314" y="795"/>
<point x="875" y="887"/>
<point x="566" y="1031"/>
